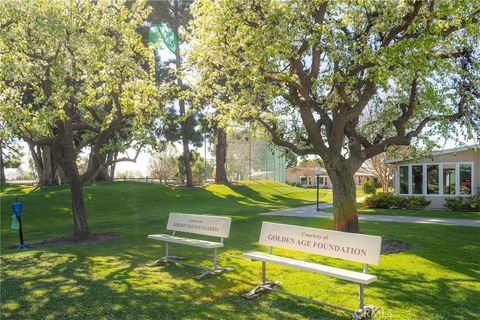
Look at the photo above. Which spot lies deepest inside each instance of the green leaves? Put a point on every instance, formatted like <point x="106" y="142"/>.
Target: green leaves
<point x="267" y="60"/>
<point x="75" y="61"/>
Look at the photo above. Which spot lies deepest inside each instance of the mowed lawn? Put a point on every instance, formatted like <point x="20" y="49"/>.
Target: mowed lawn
<point x="439" y="278"/>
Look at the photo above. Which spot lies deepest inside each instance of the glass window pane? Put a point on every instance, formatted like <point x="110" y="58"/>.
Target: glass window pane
<point x="433" y="179"/>
<point x="403" y="179"/>
<point x="417" y="179"/>
<point x="449" y="178"/>
<point x="465" y="179"/>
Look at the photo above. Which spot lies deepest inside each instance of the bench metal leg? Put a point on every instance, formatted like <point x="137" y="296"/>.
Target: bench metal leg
<point x="361" y="296"/>
<point x="177" y="260"/>
<point x="365" y="311"/>
<point x="164" y="260"/>
<point x="213" y="271"/>
<point x="260" y="289"/>
<point x="265" y="286"/>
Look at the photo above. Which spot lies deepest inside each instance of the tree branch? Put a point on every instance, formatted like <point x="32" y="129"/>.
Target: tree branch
<point x="404" y="24"/>
<point x="281" y="142"/>
<point x="318" y="16"/>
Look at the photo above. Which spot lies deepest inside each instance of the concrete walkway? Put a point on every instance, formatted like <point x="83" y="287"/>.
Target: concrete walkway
<point x="311" y="212"/>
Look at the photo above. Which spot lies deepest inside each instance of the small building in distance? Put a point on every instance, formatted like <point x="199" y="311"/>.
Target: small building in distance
<point x="439" y="175"/>
<point x="305" y="177"/>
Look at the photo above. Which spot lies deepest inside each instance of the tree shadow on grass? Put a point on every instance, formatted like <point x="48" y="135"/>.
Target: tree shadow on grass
<point x="453" y="248"/>
<point x="47" y="285"/>
<point x="418" y="297"/>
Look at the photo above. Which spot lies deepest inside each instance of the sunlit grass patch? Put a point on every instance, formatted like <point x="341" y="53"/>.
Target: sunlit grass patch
<point x="109" y="280"/>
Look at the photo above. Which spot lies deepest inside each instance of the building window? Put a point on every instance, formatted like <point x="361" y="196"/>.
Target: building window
<point x="433" y="179"/>
<point x="303" y="181"/>
<point x="465" y="179"/>
<point x="321" y="181"/>
<point x="403" y="179"/>
<point x="417" y="179"/>
<point x="449" y="178"/>
<point x="455" y="178"/>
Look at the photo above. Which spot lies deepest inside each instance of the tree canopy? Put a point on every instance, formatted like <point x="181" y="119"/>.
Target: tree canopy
<point x="75" y="74"/>
<point x="345" y="80"/>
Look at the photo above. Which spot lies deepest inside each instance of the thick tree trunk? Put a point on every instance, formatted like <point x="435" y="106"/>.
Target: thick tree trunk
<point x="48" y="170"/>
<point x="37" y="161"/>
<point x="103" y="175"/>
<point x="46" y="166"/>
<point x="80" y="225"/>
<point x="106" y="174"/>
<point x="220" y="157"/>
<point x="68" y="155"/>
<point x="60" y="176"/>
<point x="344" y="198"/>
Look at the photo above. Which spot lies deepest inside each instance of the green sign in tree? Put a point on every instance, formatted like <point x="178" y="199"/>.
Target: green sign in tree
<point x="344" y="80"/>
<point x="160" y="34"/>
<point x="168" y="18"/>
<point x="75" y="74"/>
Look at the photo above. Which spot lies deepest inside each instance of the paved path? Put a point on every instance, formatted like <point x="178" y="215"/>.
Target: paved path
<point x="310" y="212"/>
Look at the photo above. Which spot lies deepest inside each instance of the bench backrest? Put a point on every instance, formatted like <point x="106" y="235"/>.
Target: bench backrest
<point x="336" y="244"/>
<point x="200" y="224"/>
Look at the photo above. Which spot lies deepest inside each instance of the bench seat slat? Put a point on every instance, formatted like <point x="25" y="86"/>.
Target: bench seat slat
<point x="187" y="241"/>
<point x="349" y="275"/>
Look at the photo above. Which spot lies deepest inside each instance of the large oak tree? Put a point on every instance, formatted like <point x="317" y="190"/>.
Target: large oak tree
<point x="344" y="80"/>
<point x="73" y="75"/>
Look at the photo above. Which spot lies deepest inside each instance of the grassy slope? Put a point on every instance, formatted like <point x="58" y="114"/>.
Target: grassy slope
<point x="437" y="279"/>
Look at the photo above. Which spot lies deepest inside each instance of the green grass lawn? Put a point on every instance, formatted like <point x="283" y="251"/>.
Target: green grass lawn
<point x="437" y="279"/>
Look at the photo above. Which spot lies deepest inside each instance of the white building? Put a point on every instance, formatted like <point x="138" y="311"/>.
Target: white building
<point x="305" y="177"/>
<point x="438" y="175"/>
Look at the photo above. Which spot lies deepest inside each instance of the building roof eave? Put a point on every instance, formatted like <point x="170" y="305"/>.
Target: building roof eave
<point x="473" y="147"/>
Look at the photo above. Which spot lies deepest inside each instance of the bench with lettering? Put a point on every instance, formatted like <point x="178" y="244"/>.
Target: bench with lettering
<point x="341" y="245"/>
<point x="197" y="224"/>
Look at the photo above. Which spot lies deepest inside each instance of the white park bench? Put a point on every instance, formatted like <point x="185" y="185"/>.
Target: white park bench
<point x="342" y="245"/>
<point x="197" y="224"/>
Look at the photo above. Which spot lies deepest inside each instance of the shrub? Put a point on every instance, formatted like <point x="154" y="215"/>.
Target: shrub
<point x="454" y="204"/>
<point x="475" y="203"/>
<point x="416" y="203"/>
<point x="383" y="200"/>
<point x="369" y="186"/>
<point x="386" y="200"/>
<point x="463" y="204"/>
